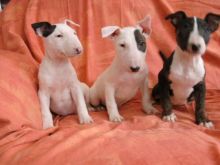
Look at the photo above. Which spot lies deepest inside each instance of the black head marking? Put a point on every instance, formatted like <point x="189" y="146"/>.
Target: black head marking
<point x="204" y="30"/>
<point x="183" y="30"/>
<point x="184" y="25"/>
<point x="45" y="28"/>
<point x="175" y="18"/>
<point x="213" y="21"/>
<point x="140" y="40"/>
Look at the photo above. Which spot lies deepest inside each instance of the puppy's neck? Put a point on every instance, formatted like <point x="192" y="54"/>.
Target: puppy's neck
<point x="185" y="56"/>
<point x="55" y="58"/>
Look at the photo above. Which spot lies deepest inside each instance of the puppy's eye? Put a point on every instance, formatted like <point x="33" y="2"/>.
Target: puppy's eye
<point x="59" y="35"/>
<point x="122" y="45"/>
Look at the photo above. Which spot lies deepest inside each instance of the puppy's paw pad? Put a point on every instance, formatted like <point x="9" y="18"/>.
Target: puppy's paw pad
<point x="170" y="118"/>
<point x="207" y="124"/>
<point x="85" y="120"/>
<point x="116" y="118"/>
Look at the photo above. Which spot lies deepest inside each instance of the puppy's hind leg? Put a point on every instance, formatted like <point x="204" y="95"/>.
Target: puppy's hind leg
<point x="94" y="101"/>
<point x="146" y="99"/>
<point x="155" y="94"/>
<point x="166" y="104"/>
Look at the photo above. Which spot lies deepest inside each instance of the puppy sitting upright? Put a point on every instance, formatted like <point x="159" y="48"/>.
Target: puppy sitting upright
<point x="182" y="78"/>
<point x="128" y="72"/>
<point x="59" y="88"/>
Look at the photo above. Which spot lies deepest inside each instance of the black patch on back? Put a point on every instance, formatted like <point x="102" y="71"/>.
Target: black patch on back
<point x="45" y="27"/>
<point x="140" y="40"/>
<point x="183" y="30"/>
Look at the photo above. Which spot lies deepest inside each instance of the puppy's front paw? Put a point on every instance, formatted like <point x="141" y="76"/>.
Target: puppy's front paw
<point x="85" y="119"/>
<point x="149" y="109"/>
<point x="47" y="124"/>
<point x="115" y="118"/>
<point x="170" y="118"/>
<point x="207" y="124"/>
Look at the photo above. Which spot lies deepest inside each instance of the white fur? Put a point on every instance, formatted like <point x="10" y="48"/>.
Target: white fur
<point x="186" y="71"/>
<point x="197" y="39"/>
<point x="207" y="124"/>
<point x="59" y="88"/>
<point x="170" y="118"/>
<point x="117" y="84"/>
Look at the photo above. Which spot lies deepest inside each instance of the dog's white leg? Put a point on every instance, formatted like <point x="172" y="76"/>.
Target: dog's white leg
<point x="45" y="109"/>
<point x="146" y="99"/>
<point x="111" y="105"/>
<point x="85" y="90"/>
<point x="86" y="94"/>
<point x="82" y="111"/>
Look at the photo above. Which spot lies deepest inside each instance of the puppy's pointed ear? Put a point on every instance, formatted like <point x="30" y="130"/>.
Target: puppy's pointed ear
<point x="213" y="21"/>
<point x="176" y="17"/>
<point x="110" y="31"/>
<point x="43" y="29"/>
<point x="145" y="25"/>
<point x="66" y="21"/>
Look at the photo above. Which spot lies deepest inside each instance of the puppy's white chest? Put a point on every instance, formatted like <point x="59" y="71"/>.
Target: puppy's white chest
<point x="184" y="76"/>
<point x="58" y="80"/>
<point x="56" y="77"/>
<point x="127" y="86"/>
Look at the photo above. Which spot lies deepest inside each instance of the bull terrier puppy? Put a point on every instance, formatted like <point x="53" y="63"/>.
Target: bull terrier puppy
<point x="59" y="88"/>
<point x="128" y="72"/>
<point x="182" y="78"/>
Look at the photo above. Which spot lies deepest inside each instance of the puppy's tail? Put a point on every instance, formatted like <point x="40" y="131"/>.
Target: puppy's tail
<point x="163" y="56"/>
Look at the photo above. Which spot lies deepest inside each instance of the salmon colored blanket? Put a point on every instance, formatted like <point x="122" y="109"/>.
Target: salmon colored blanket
<point x="141" y="138"/>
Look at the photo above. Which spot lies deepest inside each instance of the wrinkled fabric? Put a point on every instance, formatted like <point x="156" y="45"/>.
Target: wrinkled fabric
<point x="141" y="138"/>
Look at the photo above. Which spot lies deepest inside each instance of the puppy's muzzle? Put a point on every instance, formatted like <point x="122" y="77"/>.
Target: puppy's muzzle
<point x="135" y="69"/>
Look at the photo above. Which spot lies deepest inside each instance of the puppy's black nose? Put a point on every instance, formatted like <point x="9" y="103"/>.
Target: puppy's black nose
<point x="195" y="48"/>
<point x="78" y="51"/>
<point x="135" y="69"/>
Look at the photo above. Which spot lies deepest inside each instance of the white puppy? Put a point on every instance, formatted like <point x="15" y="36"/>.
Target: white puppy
<point x="128" y="72"/>
<point x="59" y="88"/>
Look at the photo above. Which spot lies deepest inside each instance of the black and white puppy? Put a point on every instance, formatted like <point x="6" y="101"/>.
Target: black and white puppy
<point x="182" y="78"/>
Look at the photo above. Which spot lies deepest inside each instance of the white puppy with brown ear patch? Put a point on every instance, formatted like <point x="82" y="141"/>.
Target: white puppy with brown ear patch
<point x="59" y="88"/>
<point x="128" y="72"/>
